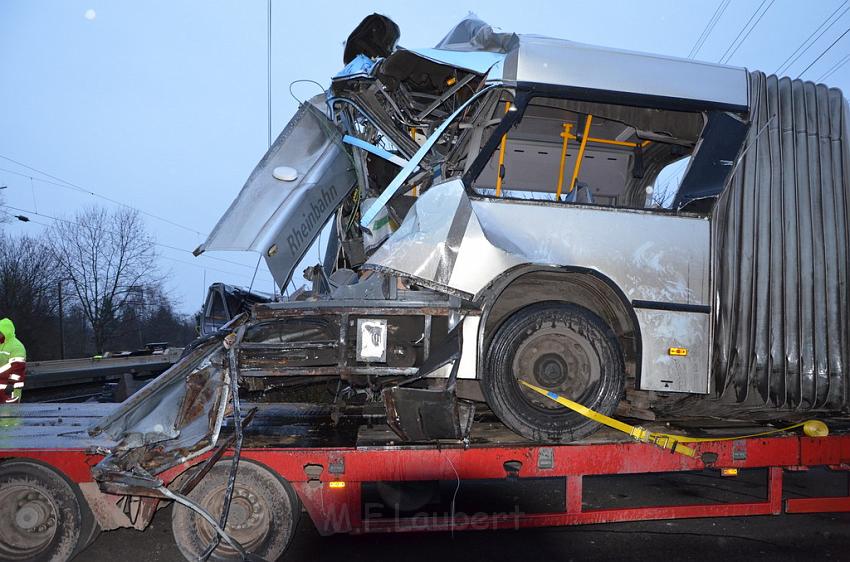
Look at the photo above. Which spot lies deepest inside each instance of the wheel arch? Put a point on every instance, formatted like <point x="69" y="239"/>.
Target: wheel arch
<point x="529" y="284"/>
<point x="44" y="464"/>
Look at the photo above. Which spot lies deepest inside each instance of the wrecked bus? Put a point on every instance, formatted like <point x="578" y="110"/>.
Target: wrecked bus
<point x="491" y="221"/>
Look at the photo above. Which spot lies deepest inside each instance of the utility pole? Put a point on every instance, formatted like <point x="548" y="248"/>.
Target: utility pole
<point x="61" y="323"/>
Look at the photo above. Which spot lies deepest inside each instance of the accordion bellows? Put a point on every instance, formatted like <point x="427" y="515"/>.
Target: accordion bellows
<point x="781" y="238"/>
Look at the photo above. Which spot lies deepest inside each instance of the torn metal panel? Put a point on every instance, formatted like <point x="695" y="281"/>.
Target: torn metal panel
<point x="479" y="62"/>
<point x="426" y="244"/>
<point x="781" y="260"/>
<point x="280" y="215"/>
<point x="174" y="418"/>
<point x="473" y="35"/>
<point x="360" y="66"/>
<point x="463" y="244"/>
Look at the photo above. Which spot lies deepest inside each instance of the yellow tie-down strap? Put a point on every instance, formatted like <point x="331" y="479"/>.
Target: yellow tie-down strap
<point x="812" y="428"/>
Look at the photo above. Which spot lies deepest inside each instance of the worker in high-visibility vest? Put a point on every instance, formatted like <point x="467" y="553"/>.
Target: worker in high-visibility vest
<point x="13" y="364"/>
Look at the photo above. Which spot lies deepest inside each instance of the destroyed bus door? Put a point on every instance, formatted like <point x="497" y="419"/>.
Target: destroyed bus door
<point x="290" y="195"/>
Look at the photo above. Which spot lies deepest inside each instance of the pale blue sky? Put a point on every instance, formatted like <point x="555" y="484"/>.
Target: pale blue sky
<point x="162" y="104"/>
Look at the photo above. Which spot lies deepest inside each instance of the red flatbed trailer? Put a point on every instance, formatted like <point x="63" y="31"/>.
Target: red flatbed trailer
<point x="331" y="469"/>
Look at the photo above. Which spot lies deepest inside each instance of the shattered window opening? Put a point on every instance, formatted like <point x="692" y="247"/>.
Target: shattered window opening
<point x="662" y="190"/>
<point x="626" y="148"/>
<point x="216" y="313"/>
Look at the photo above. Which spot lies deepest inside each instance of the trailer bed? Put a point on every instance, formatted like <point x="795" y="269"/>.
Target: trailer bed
<point x="340" y="470"/>
<point x="298" y="426"/>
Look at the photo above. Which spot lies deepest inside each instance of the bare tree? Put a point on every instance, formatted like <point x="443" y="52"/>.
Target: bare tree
<point x="149" y="316"/>
<point x="28" y="280"/>
<point x="105" y="256"/>
<point x="662" y="193"/>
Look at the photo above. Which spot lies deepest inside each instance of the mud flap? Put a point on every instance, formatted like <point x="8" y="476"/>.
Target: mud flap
<point x="419" y="414"/>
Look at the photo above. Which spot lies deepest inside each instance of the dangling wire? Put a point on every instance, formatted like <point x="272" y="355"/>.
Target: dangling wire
<point x="454" y="496"/>
<point x="32" y="188"/>
<point x="251" y="286"/>
<point x="233" y="367"/>
<point x="322" y="88"/>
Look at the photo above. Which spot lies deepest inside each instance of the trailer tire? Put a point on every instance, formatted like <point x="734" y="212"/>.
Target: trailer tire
<point x="43" y="516"/>
<point x="563" y="348"/>
<point x="91" y="531"/>
<point x="263" y="516"/>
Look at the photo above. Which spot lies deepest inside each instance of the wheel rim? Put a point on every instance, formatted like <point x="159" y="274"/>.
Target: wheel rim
<point x="557" y="359"/>
<point x="28" y="521"/>
<point x="248" y="522"/>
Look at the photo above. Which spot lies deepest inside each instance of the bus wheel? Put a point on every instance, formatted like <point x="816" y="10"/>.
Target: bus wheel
<point x="562" y="348"/>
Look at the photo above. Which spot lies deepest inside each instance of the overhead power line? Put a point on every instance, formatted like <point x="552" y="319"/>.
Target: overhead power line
<point x="28" y="176"/>
<point x="160" y="244"/>
<point x="70" y="185"/>
<point x="808" y="43"/>
<point x="834" y="68"/>
<point x="736" y="44"/>
<point x="205" y="267"/>
<point x="169" y="258"/>
<point x="21" y="218"/>
<point x="825" y="51"/>
<point x="709" y="28"/>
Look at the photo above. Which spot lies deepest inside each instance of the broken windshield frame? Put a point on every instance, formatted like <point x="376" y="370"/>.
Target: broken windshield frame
<point x="414" y="161"/>
<point x="335" y="114"/>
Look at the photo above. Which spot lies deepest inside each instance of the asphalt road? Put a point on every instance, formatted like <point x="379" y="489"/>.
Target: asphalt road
<point x="780" y="538"/>
<point x="773" y="538"/>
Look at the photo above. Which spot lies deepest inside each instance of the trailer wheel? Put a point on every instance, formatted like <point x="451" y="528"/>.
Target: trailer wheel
<point x="42" y="515"/>
<point x="91" y="530"/>
<point x="263" y="515"/>
<point x="563" y="348"/>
